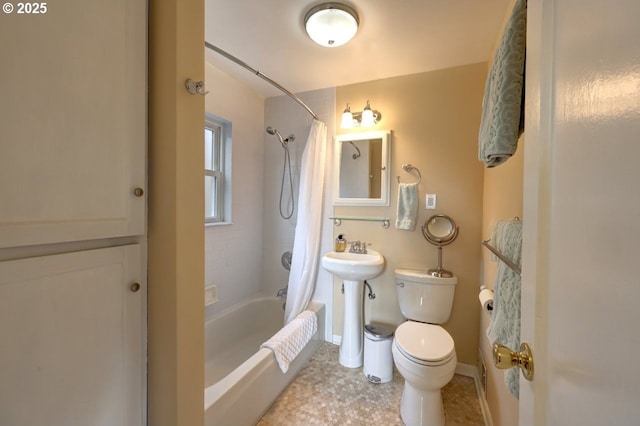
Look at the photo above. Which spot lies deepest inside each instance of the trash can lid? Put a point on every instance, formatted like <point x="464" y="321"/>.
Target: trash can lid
<point x="379" y="331"/>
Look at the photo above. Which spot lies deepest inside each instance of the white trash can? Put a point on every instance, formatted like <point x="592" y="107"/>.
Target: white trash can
<point x="378" y="361"/>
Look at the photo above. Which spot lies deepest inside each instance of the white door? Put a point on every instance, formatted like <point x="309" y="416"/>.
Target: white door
<point x="581" y="246"/>
<point x="72" y="120"/>
<point x="71" y="336"/>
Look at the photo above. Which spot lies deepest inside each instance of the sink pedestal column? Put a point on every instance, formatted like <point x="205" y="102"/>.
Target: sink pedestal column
<point x="353" y="329"/>
<point x="353" y="268"/>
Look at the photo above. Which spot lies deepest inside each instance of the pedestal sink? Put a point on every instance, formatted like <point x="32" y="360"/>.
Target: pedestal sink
<point x="353" y="268"/>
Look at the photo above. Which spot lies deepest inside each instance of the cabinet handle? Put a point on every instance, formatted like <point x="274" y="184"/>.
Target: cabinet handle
<point x="138" y="192"/>
<point x="135" y="287"/>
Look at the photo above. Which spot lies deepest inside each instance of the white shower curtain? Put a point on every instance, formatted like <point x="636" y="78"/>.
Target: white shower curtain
<point x="306" y="244"/>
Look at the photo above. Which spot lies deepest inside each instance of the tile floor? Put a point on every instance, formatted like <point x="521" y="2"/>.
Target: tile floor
<point x="326" y="393"/>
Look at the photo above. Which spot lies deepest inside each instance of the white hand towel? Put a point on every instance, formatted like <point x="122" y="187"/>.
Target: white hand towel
<point x="287" y="343"/>
<point x="407" y="206"/>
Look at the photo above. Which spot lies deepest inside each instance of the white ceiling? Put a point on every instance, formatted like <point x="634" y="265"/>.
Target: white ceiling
<point x="395" y="37"/>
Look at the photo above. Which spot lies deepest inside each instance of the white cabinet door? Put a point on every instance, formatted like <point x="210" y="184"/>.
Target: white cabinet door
<point x="71" y="336"/>
<point x="72" y="121"/>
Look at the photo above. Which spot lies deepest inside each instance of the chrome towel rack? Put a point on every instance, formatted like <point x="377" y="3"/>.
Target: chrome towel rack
<point x="502" y="257"/>
<point x="409" y="168"/>
<point x="337" y="221"/>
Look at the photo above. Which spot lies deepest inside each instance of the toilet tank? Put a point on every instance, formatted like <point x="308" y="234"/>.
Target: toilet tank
<point x="423" y="297"/>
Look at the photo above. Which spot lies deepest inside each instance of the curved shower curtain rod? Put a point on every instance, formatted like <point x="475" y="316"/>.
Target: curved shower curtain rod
<point x="262" y="76"/>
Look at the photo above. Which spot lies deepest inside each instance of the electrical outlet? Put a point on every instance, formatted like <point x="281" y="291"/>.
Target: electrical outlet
<point x="210" y="295"/>
<point x="430" y="202"/>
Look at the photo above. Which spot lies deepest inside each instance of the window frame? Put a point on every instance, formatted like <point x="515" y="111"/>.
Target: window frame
<point x="220" y="163"/>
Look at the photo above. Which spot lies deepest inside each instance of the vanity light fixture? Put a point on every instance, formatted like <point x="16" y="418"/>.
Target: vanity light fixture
<point x="366" y="118"/>
<point x="331" y="24"/>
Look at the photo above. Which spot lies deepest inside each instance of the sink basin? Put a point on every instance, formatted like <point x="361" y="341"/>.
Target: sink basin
<point x="353" y="266"/>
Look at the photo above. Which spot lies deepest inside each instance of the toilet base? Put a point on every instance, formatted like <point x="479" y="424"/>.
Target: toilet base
<point x="421" y="407"/>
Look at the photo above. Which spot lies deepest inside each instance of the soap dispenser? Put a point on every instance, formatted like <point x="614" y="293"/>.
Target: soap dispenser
<point x="341" y="243"/>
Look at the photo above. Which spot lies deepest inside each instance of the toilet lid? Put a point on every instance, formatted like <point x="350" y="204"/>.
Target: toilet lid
<point x="425" y="342"/>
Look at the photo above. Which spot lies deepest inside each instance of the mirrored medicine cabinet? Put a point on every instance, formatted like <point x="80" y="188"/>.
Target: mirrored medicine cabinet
<point x="362" y="169"/>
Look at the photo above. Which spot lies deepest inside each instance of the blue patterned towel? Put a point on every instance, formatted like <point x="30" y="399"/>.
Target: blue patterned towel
<point x="502" y="107"/>
<point x="505" y="317"/>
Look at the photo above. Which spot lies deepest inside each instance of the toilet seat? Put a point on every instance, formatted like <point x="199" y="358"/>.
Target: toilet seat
<point x="424" y="344"/>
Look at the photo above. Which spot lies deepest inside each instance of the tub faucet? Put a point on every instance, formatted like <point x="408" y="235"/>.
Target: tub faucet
<point x="282" y="292"/>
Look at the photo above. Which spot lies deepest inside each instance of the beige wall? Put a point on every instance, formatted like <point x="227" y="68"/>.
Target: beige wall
<point x="502" y="200"/>
<point x="176" y="185"/>
<point x="434" y="118"/>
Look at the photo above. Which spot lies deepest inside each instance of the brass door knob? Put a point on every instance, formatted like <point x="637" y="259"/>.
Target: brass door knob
<point x="504" y="358"/>
<point x="135" y="287"/>
<point x="138" y="192"/>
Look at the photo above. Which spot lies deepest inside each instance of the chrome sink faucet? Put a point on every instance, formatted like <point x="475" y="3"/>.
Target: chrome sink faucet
<point x="358" y="247"/>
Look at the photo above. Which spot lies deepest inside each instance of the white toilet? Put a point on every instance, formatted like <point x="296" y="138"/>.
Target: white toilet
<point x="423" y="351"/>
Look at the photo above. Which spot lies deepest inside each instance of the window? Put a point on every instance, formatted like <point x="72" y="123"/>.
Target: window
<point x="217" y="153"/>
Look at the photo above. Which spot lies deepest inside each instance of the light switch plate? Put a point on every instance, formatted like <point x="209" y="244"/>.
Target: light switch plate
<point x="430" y="202"/>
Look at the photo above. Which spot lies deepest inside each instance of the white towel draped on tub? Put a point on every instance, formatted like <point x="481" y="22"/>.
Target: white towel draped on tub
<point x="505" y="317"/>
<point x="287" y="343"/>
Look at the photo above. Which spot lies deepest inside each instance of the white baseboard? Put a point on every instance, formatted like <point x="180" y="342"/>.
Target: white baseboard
<point x="472" y="371"/>
<point x="484" y="406"/>
<point x="336" y="339"/>
<point x="482" y="396"/>
<point x="467" y="370"/>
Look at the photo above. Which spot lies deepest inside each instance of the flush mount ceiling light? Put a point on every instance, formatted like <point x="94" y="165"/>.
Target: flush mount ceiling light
<point x="331" y="24"/>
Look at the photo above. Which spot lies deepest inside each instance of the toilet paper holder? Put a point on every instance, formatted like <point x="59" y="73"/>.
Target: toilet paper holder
<point x="488" y="305"/>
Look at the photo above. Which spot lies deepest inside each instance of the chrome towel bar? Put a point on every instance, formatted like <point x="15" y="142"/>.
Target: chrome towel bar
<point x="502" y="257"/>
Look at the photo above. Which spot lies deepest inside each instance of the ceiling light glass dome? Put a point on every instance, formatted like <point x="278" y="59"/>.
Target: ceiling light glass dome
<point x="331" y="24"/>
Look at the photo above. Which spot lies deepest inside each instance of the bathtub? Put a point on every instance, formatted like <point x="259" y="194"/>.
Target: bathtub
<point x="242" y="380"/>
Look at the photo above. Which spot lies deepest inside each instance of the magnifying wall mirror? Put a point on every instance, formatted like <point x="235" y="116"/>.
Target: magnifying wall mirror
<point x="362" y="169"/>
<point x="440" y="230"/>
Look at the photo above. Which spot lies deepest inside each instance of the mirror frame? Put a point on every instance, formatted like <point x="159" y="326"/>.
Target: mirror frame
<point x="440" y="241"/>
<point x="385" y="166"/>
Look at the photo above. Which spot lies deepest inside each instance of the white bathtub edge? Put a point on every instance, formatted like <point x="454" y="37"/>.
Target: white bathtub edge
<point x="258" y="380"/>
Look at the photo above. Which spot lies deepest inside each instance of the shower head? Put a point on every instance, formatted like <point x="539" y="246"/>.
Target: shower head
<point x="283" y="141"/>
<point x="273" y="131"/>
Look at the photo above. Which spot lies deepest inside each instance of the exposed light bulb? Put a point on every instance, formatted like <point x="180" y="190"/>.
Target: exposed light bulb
<point x="347" y="118"/>
<point x="368" y="118"/>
